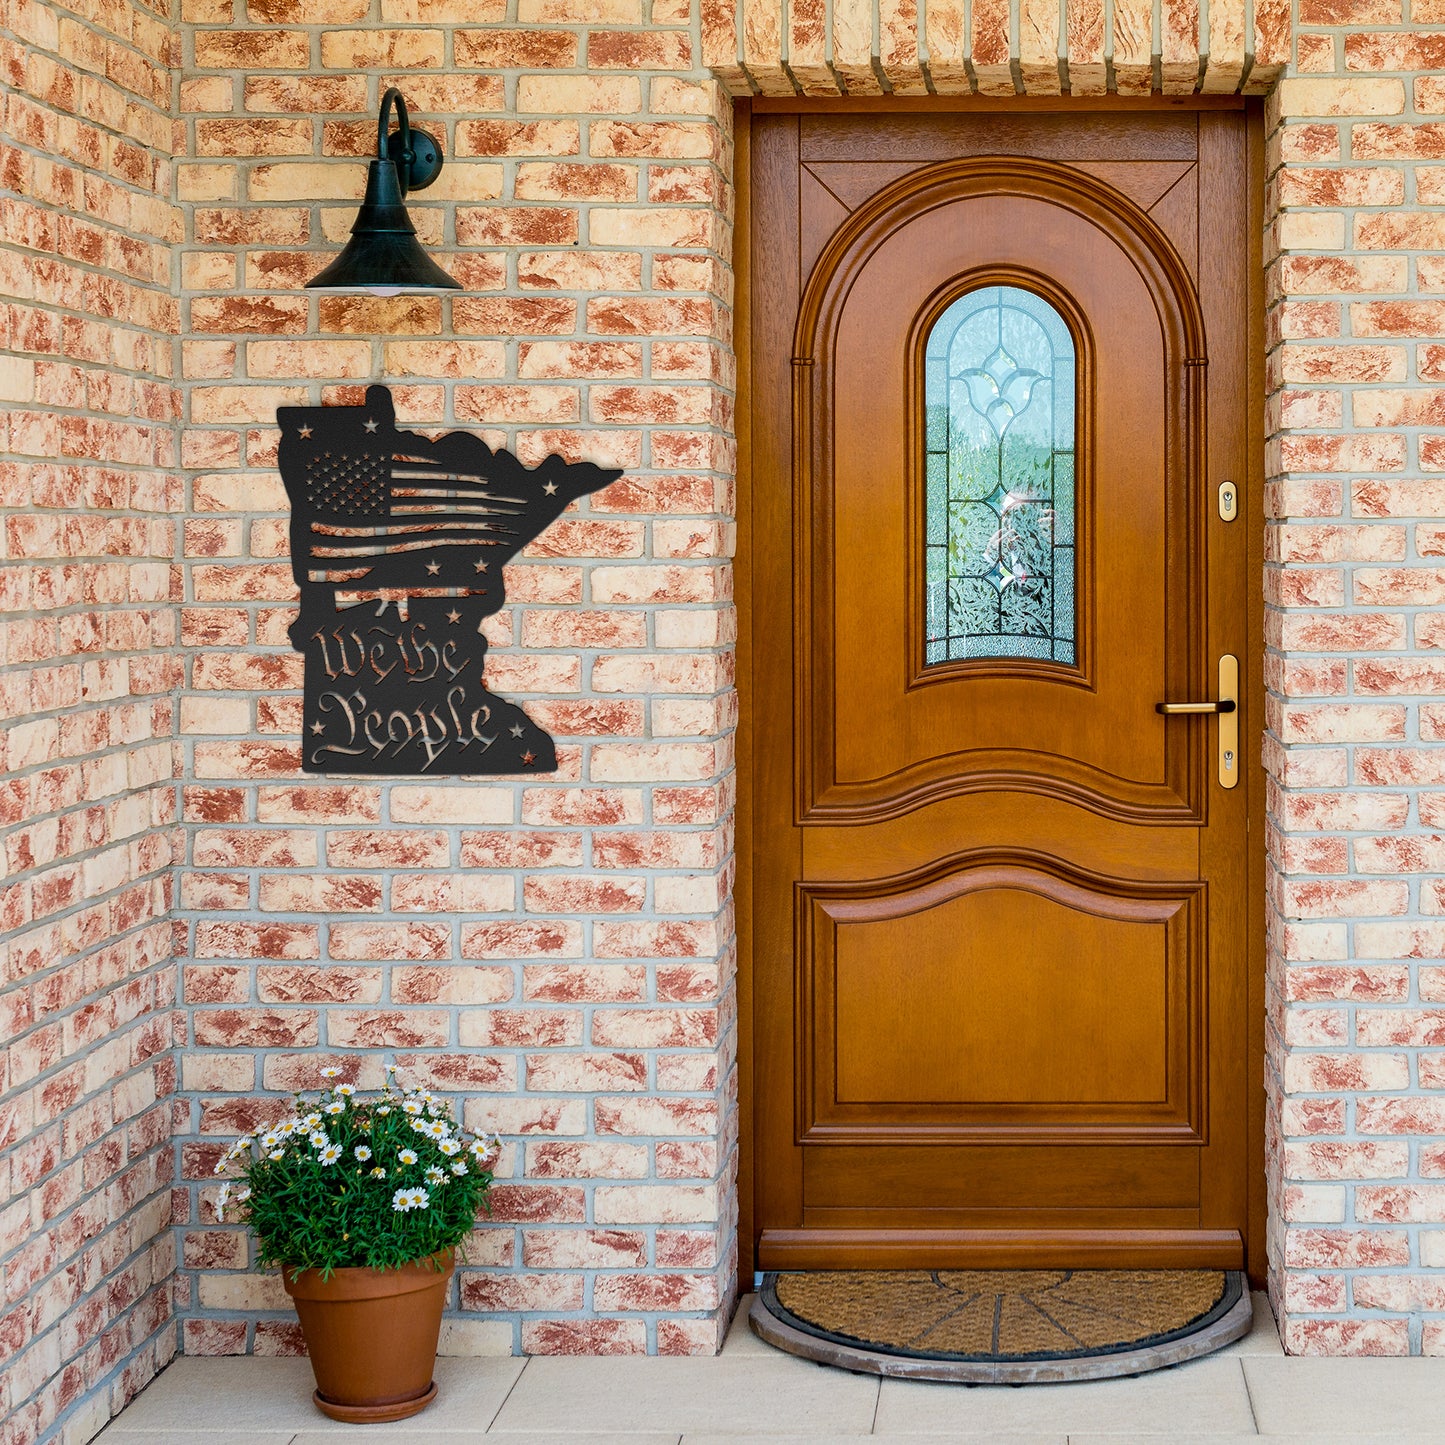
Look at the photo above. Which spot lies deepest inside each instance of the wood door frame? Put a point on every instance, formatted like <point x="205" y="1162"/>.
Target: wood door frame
<point x="1253" y="518"/>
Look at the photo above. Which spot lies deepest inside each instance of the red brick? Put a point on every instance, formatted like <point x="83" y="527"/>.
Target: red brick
<point x="390" y="941"/>
<point x="639" y="50"/>
<point x="522" y="940"/>
<point x="312" y="984"/>
<point x="387" y="1029"/>
<point x="665" y="1292"/>
<point x="513" y="226"/>
<point x="584" y="1337"/>
<point x="569" y="1160"/>
<point x="515" y="49"/>
<point x="255" y="1028"/>
<point x="521" y="1292"/>
<point x="585" y="1073"/>
<point x="536" y="1204"/>
<point x="519" y="1028"/>
<point x="517" y="137"/>
<point x="257" y="940"/>
<point x="583" y="1249"/>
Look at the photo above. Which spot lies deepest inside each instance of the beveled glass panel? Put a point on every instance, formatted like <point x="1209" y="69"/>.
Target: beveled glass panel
<point x="999" y="381"/>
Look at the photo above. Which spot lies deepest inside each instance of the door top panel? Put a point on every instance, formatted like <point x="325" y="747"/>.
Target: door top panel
<point x="1161" y="136"/>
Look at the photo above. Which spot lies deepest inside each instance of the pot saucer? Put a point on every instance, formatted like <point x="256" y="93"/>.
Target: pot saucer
<point x="375" y="1414"/>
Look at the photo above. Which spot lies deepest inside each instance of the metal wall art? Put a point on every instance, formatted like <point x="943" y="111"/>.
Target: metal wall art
<point x="397" y="545"/>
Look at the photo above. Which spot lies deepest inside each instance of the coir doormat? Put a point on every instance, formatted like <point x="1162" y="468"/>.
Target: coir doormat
<point x="1002" y="1326"/>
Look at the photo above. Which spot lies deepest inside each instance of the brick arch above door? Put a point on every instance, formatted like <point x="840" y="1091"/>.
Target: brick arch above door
<point x="996" y="48"/>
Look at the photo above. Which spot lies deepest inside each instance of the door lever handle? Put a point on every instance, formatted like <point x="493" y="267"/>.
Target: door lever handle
<point x="1174" y="709"/>
<point x="1228" y="704"/>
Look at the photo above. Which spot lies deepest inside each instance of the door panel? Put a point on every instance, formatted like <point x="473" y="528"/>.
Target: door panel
<point x="987" y="1037"/>
<point x="1000" y="972"/>
<point x="1010" y="1031"/>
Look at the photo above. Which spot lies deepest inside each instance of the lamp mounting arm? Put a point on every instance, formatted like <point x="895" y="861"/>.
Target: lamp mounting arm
<point x="417" y="157"/>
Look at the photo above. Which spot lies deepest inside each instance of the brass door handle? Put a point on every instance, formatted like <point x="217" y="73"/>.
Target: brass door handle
<point x="1174" y="709"/>
<point x="1226" y="707"/>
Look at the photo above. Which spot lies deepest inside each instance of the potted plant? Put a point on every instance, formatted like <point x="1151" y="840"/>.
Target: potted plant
<point x="363" y="1202"/>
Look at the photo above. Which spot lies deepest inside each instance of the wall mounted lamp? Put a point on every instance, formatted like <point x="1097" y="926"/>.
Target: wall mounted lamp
<point x="383" y="255"/>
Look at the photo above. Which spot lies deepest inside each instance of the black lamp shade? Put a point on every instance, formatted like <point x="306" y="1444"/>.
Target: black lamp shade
<point x="383" y="255"/>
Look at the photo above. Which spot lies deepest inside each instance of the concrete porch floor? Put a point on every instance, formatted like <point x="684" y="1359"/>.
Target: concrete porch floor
<point x="1248" y="1391"/>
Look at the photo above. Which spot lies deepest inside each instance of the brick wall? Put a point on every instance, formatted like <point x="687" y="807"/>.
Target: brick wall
<point x="1354" y="580"/>
<point x="88" y="493"/>
<point x="556" y="951"/>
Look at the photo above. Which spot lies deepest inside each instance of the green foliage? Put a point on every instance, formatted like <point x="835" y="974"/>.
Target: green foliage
<point x="348" y="1180"/>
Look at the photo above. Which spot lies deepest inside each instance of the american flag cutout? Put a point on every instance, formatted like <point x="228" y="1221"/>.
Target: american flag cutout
<point x="398" y="543"/>
<point x="374" y="507"/>
<point x="366" y="506"/>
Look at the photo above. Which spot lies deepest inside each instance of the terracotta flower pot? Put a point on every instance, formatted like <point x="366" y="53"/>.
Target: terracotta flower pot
<point x="372" y="1336"/>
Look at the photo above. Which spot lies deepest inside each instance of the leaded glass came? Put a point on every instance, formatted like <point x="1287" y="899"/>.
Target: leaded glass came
<point x="1000" y="392"/>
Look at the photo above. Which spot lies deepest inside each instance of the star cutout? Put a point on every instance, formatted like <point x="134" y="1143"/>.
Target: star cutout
<point x="305" y="431"/>
<point x="550" y="489"/>
<point x="371" y="423"/>
<point x="454" y="615"/>
<point x="529" y="758"/>
<point x="317" y="729"/>
<point x="433" y="568"/>
<point x="481" y="567"/>
<point x="516" y="730"/>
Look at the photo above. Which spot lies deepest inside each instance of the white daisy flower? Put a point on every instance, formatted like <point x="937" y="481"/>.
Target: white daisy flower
<point x="404" y="1200"/>
<point x="435" y="1176"/>
<point x="311" y="1120"/>
<point x="362" y="1152"/>
<point x="459" y="1167"/>
<point x="384" y="1110"/>
<point x="336" y="1106"/>
<point x="331" y="1154"/>
<point x="437" y="1129"/>
<point x="220" y="1166"/>
<point x="345" y="1090"/>
<point x="319" y="1139"/>
<point x="277" y="1154"/>
<point x="450" y="1146"/>
<point x="331" y="1073"/>
<point x="378" y="1172"/>
<point x="270" y="1140"/>
<point x="407" y="1156"/>
<point x="242" y="1195"/>
<point x="392" y="1068"/>
<point x="412" y="1106"/>
<point x="289" y="1127"/>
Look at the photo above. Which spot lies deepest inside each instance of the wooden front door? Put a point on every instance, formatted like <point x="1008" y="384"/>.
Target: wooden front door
<point x="999" y="374"/>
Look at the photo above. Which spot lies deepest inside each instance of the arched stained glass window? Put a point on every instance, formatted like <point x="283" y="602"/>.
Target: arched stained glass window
<point x="999" y="392"/>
